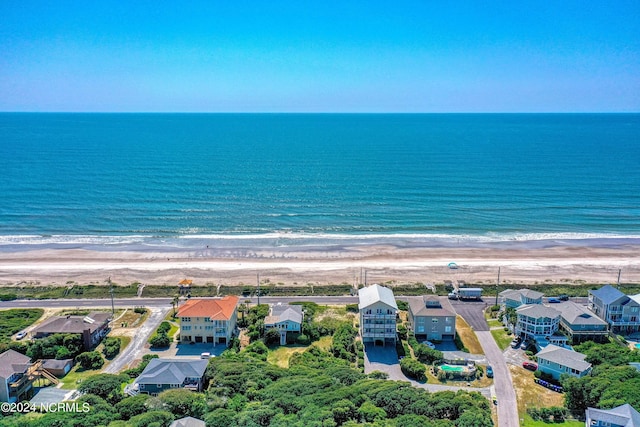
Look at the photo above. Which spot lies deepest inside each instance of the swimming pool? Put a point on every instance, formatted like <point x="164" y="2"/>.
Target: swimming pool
<point x="452" y="368"/>
<point x="638" y="346"/>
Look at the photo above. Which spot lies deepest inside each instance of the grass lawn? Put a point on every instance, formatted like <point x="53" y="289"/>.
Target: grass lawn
<point x="503" y="339"/>
<point x="493" y="323"/>
<point x="280" y="355"/>
<point x="76" y="375"/>
<point x="16" y="319"/>
<point x="467" y="336"/>
<point x="530" y="394"/>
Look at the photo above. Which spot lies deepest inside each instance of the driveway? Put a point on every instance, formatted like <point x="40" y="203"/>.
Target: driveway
<point x="385" y="359"/>
<point x="473" y="313"/>
<point x="503" y="385"/>
<point x="188" y="350"/>
<point x="136" y="347"/>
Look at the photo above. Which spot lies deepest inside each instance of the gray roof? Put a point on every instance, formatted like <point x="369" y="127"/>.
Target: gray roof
<point x="607" y="294"/>
<point x="56" y="364"/>
<point x="537" y="311"/>
<point x="623" y="415"/>
<point x="576" y="314"/>
<point x="12" y="362"/>
<point x="517" y="294"/>
<point x="172" y="371"/>
<point x="418" y="306"/>
<point x="565" y="357"/>
<point x="635" y="365"/>
<point x="73" y="324"/>
<point x="188" y="422"/>
<point x="376" y="293"/>
<point x="282" y="313"/>
<point x="636" y="298"/>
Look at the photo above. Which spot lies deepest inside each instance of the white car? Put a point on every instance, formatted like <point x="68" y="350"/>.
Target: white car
<point x="21" y="335"/>
<point x="429" y="344"/>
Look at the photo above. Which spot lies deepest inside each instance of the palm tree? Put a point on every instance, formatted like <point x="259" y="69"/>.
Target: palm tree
<point x="174" y="302"/>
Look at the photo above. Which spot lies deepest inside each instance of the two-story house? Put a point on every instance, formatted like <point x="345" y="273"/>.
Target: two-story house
<point x="539" y="323"/>
<point x="92" y="327"/>
<point x="515" y="298"/>
<point x="166" y="374"/>
<point x="209" y="320"/>
<point x="285" y="318"/>
<point x="620" y="416"/>
<point x="378" y="311"/>
<point x="620" y="311"/>
<point x="580" y="324"/>
<point x="432" y="317"/>
<point x="15" y="381"/>
<point x="555" y="361"/>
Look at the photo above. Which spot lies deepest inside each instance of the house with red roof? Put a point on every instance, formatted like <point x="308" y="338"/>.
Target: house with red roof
<point x="208" y="320"/>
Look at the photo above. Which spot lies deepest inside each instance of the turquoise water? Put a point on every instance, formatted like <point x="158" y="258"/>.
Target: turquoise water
<point x="451" y="368"/>
<point x="295" y="179"/>
<point x="638" y="346"/>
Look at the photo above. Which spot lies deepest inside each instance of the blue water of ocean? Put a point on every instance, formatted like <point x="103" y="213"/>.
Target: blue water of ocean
<point x="94" y="180"/>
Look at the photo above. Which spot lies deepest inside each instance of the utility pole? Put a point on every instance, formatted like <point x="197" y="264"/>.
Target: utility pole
<point x="113" y="309"/>
<point x="497" y="285"/>
<point x="258" y="288"/>
<point x="619" y="272"/>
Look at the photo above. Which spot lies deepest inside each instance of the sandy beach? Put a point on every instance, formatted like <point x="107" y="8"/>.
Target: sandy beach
<point x="299" y="266"/>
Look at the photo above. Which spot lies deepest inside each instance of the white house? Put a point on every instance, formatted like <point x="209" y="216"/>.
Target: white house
<point x="620" y="416"/>
<point x="539" y="323"/>
<point x="208" y="320"/>
<point x="285" y="318"/>
<point x="378" y="310"/>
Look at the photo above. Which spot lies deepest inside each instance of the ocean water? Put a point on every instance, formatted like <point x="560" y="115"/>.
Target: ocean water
<point x="154" y="180"/>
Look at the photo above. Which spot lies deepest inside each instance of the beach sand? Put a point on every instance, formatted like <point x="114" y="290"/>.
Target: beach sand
<point x="299" y="266"/>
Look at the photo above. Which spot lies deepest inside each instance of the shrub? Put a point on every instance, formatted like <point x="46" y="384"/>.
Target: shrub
<point x="272" y="336"/>
<point x="413" y="369"/>
<point x="303" y="339"/>
<point x="163" y="328"/>
<point x="352" y="308"/>
<point x="111" y="347"/>
<point x="160" y="341"/>
<point x="140" y="310"/>
<point x="402" y="332"/>
<point x="90" y="360"/>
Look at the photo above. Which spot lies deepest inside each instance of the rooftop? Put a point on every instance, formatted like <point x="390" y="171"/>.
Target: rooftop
<point x="565" y="357"/>
<point x="282" y="313"/>
<point x="172" y="371"/>
<point x="623" y="415"/>
<point x="73" y="324"/>
<point x="418" y="306"/>
<point x="517" y="294"/>
<point x="188" y="422"/>
<point x="538" y="311"/>
<point x="376" y="293"/>
<point x="213" y="308"/>
<point x="576" y="314"/>
<point x="607" y="294"/>
<point x="12" y="362"/>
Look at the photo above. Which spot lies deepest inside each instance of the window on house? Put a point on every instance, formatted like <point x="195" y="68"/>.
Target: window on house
<point x="186" y="319"/>
<point x="447" y="328"/>
<point x="367" y="311"/>
<point x="434" y="320"/>
<point x="379" y="311"/>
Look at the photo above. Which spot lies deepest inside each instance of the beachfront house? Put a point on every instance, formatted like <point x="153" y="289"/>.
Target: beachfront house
<point x="515" y="298"/>
<point x="620" y="311"/>
<point x="208" y="320"/>
<point x="16" y="383"/>
<point x="378" y="311"/>
<point x="166" y="374"/>
<point x="285" y="318"/>
<point x="539" y="323"/>
<point x="620" y="416"/>
<point x="92" y="327"/>
<point x="555" y="361"/>
<point x="432" y="317"/>
<point x="580" y="324"/>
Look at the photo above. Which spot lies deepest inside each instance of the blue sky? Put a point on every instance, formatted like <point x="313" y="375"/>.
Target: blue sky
<point x="325" y="56"/>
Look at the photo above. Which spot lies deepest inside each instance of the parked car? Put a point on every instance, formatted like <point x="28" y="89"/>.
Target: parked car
<point x="21" y="335"/>
<point x="515" y="344"/>
<point x="489" y="371"/>
<point x="494" y="399"/>
<point x="429" y="344"/>
<point x="553" y="300"/>
<point x="563" y="297"/>
<point x="524" y="345"/>
<point x="530" y="366"/>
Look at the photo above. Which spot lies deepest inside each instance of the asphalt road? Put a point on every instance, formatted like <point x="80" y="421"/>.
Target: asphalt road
<point x="472" y="312"/>
<point x="507" y="405"/>
<point x="134" y="350"/>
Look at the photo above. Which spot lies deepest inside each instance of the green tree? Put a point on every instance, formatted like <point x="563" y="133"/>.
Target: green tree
<point x="151" y="419"/>
<point x="272" y="336"/>
<point x="369" y="412"/>
<point x="413" y="369"/>
<point x="90" y="360"/>
<point x="183" y="403"/>
<point x="132" y="406"/>
<point x="106" y="386"/>
<point x="160" y="341"/>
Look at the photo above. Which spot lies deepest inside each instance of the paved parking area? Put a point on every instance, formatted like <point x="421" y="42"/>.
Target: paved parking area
<point x="48" y="395"/>
<point x="472" y="312"/>
<point x="189" y="350"/>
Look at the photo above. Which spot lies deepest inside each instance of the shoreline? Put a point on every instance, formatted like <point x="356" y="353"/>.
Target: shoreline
<point x="298" y="265"/>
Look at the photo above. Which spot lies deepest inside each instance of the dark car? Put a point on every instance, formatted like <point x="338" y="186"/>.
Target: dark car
<point x="489" y="371"/>
<point x="530" y="366"/>
<point x="554" y="300"/>
<point x="563" y="297"/>
<point x="515" y="343"/>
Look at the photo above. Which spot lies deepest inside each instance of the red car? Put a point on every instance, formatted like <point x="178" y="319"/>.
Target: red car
<point x="530" y="366"/>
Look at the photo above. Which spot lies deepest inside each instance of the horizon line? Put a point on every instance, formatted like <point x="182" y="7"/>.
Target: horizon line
<point x="320" y="112"/>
